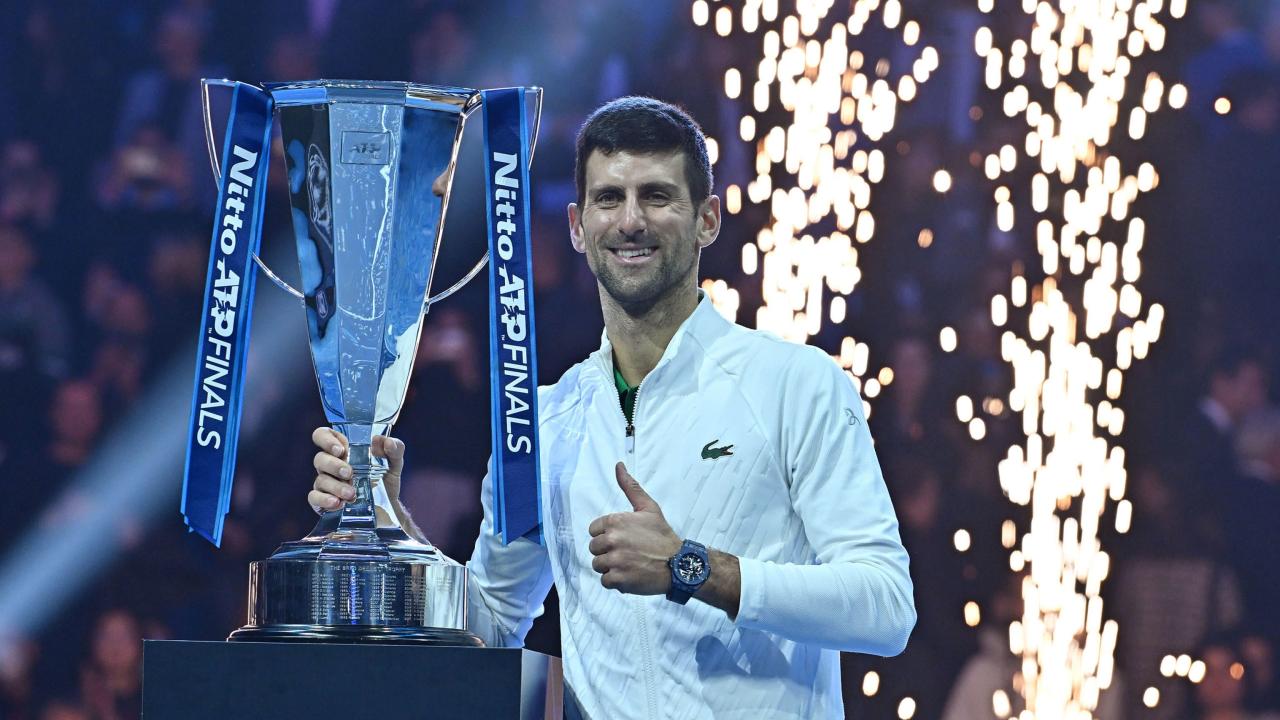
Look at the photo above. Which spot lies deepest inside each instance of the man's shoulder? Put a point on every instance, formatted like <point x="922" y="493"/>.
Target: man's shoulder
<point x="566" y="393"/>
<point x="760" y="354"/>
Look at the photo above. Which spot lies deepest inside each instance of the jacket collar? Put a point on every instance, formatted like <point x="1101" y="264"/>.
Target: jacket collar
<point x="702" y="324"/>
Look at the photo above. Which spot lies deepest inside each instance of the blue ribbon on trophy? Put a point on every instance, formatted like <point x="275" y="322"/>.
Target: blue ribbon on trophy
<point x="513" y="363"/>
<point x="227" y="310"/>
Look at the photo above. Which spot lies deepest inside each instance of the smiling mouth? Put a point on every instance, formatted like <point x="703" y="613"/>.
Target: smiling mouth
<point x="633" y="254"/>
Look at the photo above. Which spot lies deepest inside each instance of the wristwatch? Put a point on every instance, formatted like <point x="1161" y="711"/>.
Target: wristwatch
<point x="690" y="568"/>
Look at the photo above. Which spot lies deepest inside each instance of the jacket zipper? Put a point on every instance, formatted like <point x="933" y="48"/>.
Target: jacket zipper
<point x="646" y="651"/>
<point x="631" y="423"/>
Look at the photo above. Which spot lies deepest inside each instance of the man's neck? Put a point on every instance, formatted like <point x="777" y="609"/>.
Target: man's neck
<point x="639" y="337"/>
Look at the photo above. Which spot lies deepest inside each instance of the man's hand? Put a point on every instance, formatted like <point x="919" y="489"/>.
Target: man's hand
<point x="332" y="488"/>
<point x="631" y="549"/>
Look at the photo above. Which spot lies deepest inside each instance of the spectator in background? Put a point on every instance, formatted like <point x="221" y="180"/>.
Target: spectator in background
<point x="29" y="189"/>
<point x="440" y="51"/>
<point x="34" y="331"/>
<point x="1237" y="386"/>
<point x="1253" y="520"/>
<point x="148" y="175"/>
<point x="293" y="56"/>
<point x="1224" y="692"/>
<point x="120" y="360"/>
<point x="17" y="660"/>
<point x="164" y="100"/>
<point x="937" y="574"/>
<point x="1259" y="656"/>
<point x="75" y="420"/>
<point x="111" y="680"/>
<point x="1170" y="589"/>
<point x="175" y="280"/>
<point x="909" y="417"/>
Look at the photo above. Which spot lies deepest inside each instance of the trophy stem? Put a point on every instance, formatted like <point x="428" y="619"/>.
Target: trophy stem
<point x="357" y="531"/>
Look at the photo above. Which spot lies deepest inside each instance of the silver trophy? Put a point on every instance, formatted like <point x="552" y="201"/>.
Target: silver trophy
<point x="370" y="166"/>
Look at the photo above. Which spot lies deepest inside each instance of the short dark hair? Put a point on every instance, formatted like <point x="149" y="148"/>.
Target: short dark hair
<point x="645" y="125"/>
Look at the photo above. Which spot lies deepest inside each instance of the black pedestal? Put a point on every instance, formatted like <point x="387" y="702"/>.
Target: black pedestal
<point x="246" y="680"/>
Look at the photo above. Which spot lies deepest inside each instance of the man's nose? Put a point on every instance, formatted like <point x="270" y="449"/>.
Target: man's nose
<point x="632" y="221"/>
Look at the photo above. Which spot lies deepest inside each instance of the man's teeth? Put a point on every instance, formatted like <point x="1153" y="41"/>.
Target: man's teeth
<point x="634" y="253"/>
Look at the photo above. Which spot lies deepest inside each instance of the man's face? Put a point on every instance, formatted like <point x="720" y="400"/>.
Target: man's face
<point x="638" y="226"/>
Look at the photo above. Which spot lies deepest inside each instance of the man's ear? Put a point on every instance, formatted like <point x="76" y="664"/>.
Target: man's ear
<point x="575" y="229"/>
<point x="709" y="221"/>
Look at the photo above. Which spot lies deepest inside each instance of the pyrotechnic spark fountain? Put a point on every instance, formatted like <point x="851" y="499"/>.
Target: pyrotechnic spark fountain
<point x="1070" y="337"/>
<point x="1078" y="330"/>
<point x="816" y="105"/>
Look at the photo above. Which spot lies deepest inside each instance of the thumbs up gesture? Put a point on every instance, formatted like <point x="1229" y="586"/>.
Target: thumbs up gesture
<point x="631" y="549"/>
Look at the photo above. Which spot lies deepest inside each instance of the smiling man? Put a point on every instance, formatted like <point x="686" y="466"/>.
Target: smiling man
<point x="686" y="459"/>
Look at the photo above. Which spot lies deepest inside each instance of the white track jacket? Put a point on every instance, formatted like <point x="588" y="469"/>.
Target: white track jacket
<point x="800" y="501"/>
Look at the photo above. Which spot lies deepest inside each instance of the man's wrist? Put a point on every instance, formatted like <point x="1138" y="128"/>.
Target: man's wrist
<point x="723" y="588"/>
<point x="406" y="521"/>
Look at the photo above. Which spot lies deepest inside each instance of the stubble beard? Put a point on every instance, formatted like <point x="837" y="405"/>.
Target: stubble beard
<point x="639" y="296"/>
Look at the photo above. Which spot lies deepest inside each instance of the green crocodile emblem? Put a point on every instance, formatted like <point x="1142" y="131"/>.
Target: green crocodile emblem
<point x="713" y="453"/>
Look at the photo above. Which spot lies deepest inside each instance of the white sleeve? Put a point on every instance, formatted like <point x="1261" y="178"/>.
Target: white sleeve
<point x="506" y="585"/>
<point x="858" y="595"/>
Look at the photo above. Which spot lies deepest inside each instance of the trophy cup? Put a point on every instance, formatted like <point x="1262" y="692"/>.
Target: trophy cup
<point x="370" y="166"/>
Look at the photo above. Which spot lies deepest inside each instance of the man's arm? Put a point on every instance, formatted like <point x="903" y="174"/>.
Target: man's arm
<point x="507" y="584"/>
<point x="858" y="595"/>
<point x="723" y="589"/>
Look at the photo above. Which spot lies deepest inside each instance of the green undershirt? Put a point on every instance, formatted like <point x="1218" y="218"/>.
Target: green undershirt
<point x="626" y="394"/>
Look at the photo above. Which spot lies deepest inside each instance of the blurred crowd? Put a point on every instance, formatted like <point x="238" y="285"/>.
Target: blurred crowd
<point x="105" y="210"/>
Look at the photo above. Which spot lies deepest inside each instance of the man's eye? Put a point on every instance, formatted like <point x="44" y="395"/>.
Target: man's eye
<point x="607" y="198"/>
<point x="659" y="198"/>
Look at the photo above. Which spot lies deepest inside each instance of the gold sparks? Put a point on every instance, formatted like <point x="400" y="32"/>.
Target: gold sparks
<point x="816" y="170"/>
<point x="1071" y="337"/>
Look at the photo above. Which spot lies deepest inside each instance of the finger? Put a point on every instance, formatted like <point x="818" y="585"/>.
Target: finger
<point x="330" y="440"/>
<point x="611" y="579"/>
<point x="392" y="449"/>
<point x="320" y="501"/>
<point x="327" y="464"/>
<point x="640" y="500"/>
<point x="600" y="564"/>
<point x="597" y="526"/>
<point x="332" y="486"/>
<point x="600" y="544"/>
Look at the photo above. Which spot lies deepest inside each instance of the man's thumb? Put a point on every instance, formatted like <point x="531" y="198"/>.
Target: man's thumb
<point x="640" y="500"/>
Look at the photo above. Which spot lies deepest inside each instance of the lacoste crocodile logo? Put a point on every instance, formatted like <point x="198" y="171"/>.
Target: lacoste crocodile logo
<point x="713" y="453"/>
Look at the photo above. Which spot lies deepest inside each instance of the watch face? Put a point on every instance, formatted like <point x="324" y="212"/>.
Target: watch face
<point x="690" y="568"/>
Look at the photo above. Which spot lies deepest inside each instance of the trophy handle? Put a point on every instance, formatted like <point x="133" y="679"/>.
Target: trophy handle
<point x="212" y="145"/>
<point x="532" y="95"/>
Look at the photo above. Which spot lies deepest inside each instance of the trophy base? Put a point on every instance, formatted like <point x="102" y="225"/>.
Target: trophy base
<point x="357" y="634"/>
<point x="378" y="586"/>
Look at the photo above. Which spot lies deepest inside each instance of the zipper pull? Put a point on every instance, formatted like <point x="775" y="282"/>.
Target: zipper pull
<point x="631" y="438"/>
